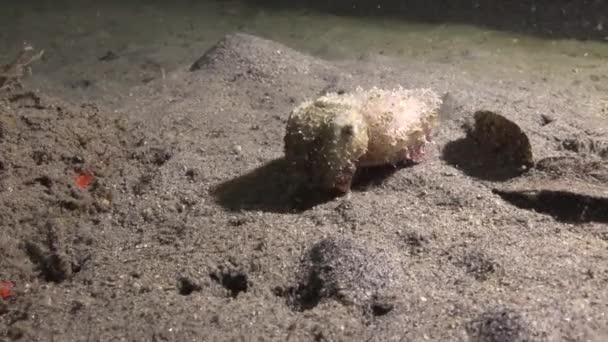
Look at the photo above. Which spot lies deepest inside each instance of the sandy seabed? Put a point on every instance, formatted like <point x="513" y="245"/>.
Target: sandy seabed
<point x="186" y="231"/>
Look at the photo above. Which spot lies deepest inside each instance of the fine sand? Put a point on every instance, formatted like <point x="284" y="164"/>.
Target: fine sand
<point x="186" y="232"/>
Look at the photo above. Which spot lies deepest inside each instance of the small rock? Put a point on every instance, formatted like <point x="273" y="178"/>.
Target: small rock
<point x="343" y="270"/>
<point x="546" y="119"/>
<point x="187" y="285"/>
<point x="192" y="174"/>
<point x="503" y="137"/>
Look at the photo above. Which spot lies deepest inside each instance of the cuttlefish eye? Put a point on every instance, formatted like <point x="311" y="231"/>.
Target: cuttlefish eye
<point x="348" y="131"/>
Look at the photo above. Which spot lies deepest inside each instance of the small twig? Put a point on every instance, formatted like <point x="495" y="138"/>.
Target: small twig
<point x="14" y="71"/>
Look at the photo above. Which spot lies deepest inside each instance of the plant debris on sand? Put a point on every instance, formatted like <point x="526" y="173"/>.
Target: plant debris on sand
<point x="14" y="71"/>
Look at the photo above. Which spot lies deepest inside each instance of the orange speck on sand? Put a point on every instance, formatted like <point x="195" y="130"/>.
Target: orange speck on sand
<point x="6" y="289"/>
<point x="83" y="179"/>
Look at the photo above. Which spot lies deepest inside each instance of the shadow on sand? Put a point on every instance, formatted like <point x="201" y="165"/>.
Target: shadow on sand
<point x="467" y="155"/>
<point x="271" y="188"/>
<point x="266" y="188"/>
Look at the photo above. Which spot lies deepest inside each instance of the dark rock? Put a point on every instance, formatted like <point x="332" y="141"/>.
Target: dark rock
<point x="339" y="269"/>
<point x="498" y="325"/>
<point x="495" y="148"/>
<point x="502" y="136"/>
<point x="187" y="285"/>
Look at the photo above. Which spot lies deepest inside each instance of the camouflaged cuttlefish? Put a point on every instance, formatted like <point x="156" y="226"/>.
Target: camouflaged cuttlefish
<point x="327" y="139"/>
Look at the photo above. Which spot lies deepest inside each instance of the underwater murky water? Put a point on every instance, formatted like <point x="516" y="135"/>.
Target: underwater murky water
<point x="153" y="37"/>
